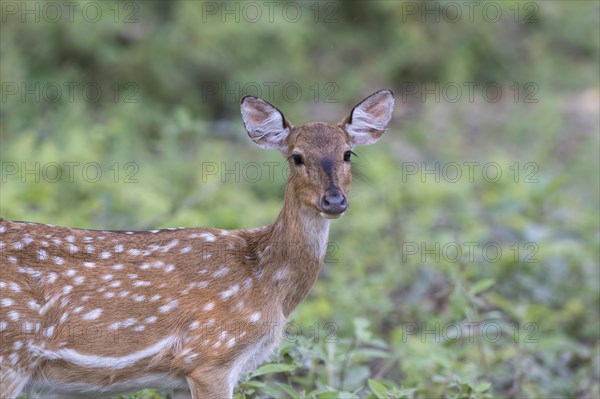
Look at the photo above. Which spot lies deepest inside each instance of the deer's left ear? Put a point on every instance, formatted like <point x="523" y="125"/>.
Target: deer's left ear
<point x="368" y="120"/>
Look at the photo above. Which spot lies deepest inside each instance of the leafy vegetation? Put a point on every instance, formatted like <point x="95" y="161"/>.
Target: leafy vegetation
<point x="468" y="265"/>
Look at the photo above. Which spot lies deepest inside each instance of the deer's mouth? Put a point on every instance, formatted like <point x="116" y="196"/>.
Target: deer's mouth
<point x="331" y="215"/>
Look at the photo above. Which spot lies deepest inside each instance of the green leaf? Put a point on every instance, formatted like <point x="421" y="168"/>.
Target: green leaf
<point x="482" y="285"/>
<point x="378" y="389"/>
<point x="289" y="390"/>
<point x="483" y="387"/>
<point x="327" y="393"/>
<point x="458" y="303"/>
<point x="273" y="368"/>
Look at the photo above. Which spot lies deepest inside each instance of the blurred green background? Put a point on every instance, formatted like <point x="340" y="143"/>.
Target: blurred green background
<point x="125" y="115"/>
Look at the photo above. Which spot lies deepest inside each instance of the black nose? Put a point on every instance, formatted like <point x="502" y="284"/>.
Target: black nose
<point x="334" y="202"/>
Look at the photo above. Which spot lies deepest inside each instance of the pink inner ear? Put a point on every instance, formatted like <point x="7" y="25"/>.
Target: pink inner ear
<point x="379" y="105"/>
<point x="265" y="123"/>
<point x="370" y="118"/>
<point x="256" y="116"/>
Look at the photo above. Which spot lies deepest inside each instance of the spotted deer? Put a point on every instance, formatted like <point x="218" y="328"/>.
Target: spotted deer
<point x="96" y="313"/>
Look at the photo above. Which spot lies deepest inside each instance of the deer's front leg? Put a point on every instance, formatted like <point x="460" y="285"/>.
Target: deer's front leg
<point x="212" y="385"/>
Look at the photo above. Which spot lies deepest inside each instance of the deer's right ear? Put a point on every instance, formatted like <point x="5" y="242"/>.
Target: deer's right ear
<point x="265" y="124"/>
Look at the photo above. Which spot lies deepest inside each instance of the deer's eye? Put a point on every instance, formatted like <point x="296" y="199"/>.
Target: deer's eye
<point x="347" y="156"/>
<point x="297" y="158"/>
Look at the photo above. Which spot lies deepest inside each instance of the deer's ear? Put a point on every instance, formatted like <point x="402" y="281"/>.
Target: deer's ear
<point x="368" y="120"/>
<point x="265" y="124"/>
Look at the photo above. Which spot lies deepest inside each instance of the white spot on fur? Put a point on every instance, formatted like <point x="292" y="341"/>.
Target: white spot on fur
<point x="92" y="315"/>
<point x="209" y="306"/>
<point x="186" y="250"/>
<point x="155" y="298"/>
<point x="14" y="286"/>
<point x="208" y="237"/>
<point x="33" y="305"/>
<point x="280" y="274"/>
<point x="168" y="307"/>
<point x="79" y="280"/>
<point x="42" y="255"/>
<point x="255" y="317"/>
<point x="221" y="272"/>
<point x="6" y="302"/>
<point x="49" y="331"/>
<point x="170" y="245"/>
<point x="89" y="264"/>
<point x="169" y="268"/>
<point x="230" y="292"/>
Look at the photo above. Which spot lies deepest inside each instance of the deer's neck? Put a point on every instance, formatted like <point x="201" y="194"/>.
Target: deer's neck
<point x="291" y="257"/>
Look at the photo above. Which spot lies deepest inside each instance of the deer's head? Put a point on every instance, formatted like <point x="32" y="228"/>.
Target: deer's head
<point x="318" y="153"/>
